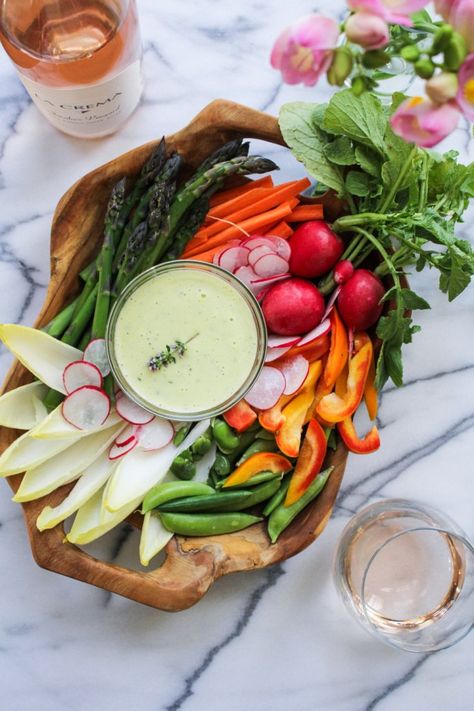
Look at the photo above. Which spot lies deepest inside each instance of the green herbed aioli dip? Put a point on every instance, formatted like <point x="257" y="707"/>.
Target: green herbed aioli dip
<point x="173" y="306"/>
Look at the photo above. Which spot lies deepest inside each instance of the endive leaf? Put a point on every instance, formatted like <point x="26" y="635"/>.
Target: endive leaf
<point x="55" y="426"/>
<point x="90" y="481"/>
<point x="154" y="537"/>
<point x="138" y="471"/>
<point x="22" y="408"/>
<point x="65" y="466"/>
<point x="27" y="452"/>
<point x="89" y="524"/>
<point x="43" y="355"/>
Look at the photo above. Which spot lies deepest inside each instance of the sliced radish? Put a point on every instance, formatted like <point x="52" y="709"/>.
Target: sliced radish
<point x="269" y="265"/>
<point x="331" y="302"/>
<point x="281" y="247"/>
<point x="262" y="293"/>
<point x="274" y="353"/>
<point x="295" y="369"/>
<point x="234" y="257"/>
<point x="282" y="341"/>
<point x="95" y="352"/>
<point x="155" y="435"/>
<point x="248" y="276"/>
<point x="86" y="408"/>
<point x="127" y="436"/>
<point x="321" y="330"/>
<point x="256" y="241"/>
<point x="116" y="452"/>
<point x="262" y="283"/>
<point x="257" y="252"/>
<point x="80" y="373"/>
<point x="267" y="390"/>
<point x="131" y="412"/>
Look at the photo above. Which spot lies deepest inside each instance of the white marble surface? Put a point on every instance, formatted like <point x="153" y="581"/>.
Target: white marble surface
<point x="277" y="639"/>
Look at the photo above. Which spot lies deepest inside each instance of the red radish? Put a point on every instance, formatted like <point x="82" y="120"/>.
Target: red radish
<point x="315" y="249"/>
<point x="267" y="389"/>
<point x="269" y="265"/>
<point x="295" y="369"/>
<point x="125" y="437"/>
<point x="115" y="452"/>
<point x="281" y="247"/>
<point x="343" y="271"/>
<point x="96" y="352"/>
<point x="258" y="252"/>
<point x="359" y="300"/>
<point x="275" y="353"/>
<point x="257" y="241"/>
<point x="321" y="330"/>
<point x="292" y="307"/>
<point x="262" y="293"/>
<point x="86" y="408"/>
<point x="282" y="341"/>
<point x="155" y="435"/>
<point x="80" y="373"/>
<point x="233" y="257"/>
<point x="131" y="412"/>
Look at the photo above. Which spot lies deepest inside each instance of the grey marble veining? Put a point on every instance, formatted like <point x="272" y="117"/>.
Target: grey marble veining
<point x="274" y="639"/>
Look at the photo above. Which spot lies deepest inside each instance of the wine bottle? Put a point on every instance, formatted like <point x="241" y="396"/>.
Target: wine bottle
<point x="80" y="60"/>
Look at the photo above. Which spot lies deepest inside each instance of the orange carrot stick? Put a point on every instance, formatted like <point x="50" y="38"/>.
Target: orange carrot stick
<point x="226" y="208"/>
<point x="282" y="229"/>
<point x="285" y="191"/>
<point x="224" y="195"/>
<point x="303" y="213"/>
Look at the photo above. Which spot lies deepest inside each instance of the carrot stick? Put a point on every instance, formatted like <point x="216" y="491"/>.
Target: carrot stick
<point x="282" y="229"/>
<point x="231" y="193"/>
<point x="258" y="222"/>
<point x="206" y="256"/>
<point x="307" y="212"/>
<point x="284" y="191"/>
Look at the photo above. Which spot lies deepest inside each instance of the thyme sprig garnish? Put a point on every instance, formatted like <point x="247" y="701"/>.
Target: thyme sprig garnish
<point x="169" y="354"/>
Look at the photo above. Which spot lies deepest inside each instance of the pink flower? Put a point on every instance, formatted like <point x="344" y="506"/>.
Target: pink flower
<point x="419" y="121"/>
<point x="368" y="30"/>
<point x="465" y="95"/>
<point x="304" y="51"/>
<point x="461" y="18"/>
<point x="443" y="8"/>
<point x="394" y="11"/>
<point x="442" y="87"/>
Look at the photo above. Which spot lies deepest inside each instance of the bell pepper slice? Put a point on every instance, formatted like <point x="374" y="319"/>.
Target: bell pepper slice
<point x="240" y="416"/>
<point x="309" y="462"/>
<point x="288" y="437"/>
<point x="273" y="418"/>
<point x="370" y="391"/>
<point x="334" y="408"/>
<point x="260" y="462"/>
<point x="366" y="445"/>
<point x="311" y="351"/>
<point x="338" y="352"/>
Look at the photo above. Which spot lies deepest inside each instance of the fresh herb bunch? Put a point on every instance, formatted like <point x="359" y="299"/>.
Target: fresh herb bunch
<point x="169" y="354"/>
<point x="404" y="203"/>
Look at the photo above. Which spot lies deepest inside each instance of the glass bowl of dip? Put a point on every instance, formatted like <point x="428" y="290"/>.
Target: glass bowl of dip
<point x="207" y="309"/>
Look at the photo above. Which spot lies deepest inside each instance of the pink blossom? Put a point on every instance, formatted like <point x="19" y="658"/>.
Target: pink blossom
<point x="303" y="52"/>
<point x="442" y="87"/>
<point x="419" y="121"/>
<point x="368" y="30"/>
<point x="443" y="8"/>
<point x="465" y="95"/>
<point x="461" y="18"/>
<point x="393" y="11"/>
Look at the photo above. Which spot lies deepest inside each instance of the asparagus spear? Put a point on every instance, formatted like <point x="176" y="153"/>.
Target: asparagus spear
<point x="187" y="228"/>
<point x="59" y="323"/>
<point x="229" y="150"/>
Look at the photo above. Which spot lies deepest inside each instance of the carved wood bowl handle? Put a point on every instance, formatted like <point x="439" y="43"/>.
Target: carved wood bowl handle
<point x="192" y="564"/>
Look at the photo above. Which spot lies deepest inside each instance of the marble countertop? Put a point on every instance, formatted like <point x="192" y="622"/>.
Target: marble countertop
<point x="274" y="639"/>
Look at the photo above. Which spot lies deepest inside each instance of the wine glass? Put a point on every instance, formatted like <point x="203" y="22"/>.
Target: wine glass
<point x="406" y="571"/>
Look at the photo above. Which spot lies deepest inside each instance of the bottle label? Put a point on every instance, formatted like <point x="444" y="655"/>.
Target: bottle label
<point x="92" y="110"/>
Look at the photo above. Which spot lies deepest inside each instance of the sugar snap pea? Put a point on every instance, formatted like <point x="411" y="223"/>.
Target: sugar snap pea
<point x="205" y="524"/>
<point x="201" y="445"/>
<point x="258" y="445"/>
<point x="183" y="465"/>
<point x="259" y="478"/>
<point x="222" y="466"/>
<point x="181" y="434"/>
<point x="278" y="497"/>
<point x="282" y="516"/>
<point x="226" y="439"/>
<point x="260" y="493"/>
<point x="246" y="439"/>
<point x="170" y="490"/>
<point x="222" y="501"/>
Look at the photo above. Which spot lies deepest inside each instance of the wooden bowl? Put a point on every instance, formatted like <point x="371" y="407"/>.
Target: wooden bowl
<point x="192" y="564"/>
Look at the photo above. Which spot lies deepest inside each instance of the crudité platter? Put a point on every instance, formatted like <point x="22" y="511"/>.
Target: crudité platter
<point x="241" y="489"/>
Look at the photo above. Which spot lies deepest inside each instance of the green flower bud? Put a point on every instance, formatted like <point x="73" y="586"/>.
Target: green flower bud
<point x="455" y="53"/>
<point x="410" y="53"/>
<point x="358" y="85"/>
<point x="424" y="67"/>
<point x="441" y="38"/>
<point x="375" y="58"/>
<point x="341" y="66"/>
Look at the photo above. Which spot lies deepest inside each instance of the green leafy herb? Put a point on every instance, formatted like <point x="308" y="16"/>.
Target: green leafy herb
<point x="169" y="354"/>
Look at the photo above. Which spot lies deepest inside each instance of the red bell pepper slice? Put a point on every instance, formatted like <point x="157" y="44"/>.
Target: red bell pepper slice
<point x="335" y="408"/>
<point x="240" y="417"/>
<point x="366" y="445"/>
<point x="309" y="462"/>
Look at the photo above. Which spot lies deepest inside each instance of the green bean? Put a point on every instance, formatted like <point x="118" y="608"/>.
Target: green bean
<point x="201" y="445"/>
<point x="205" y="524"/>
<point x="260" y="493"/>
<point x="216" y="502"/>
<point x="282" y="516"/>
<point x="183" y="465"/>
<point x="181" y="434"/>
<point x="278" y="497"/>
<point x="225" y="437"/>
<point x="259" y="445"/>
<point x="170" y="490"/>
<point x="259" y="478"/>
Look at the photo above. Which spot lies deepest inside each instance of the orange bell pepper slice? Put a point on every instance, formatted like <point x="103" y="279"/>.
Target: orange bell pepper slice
<point x="311" y="351"/>
<point x="273" y="418"/>
<point x="334" y="408"/>
<point x="366" y="445"/>
<point x="370" y="391"/>
<point x="338" y="352"/>
<point x="288" y="437"/>
<point x="260" y="462"/>
<point x="309" y="462"/>
<point x="240" y="416"/>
